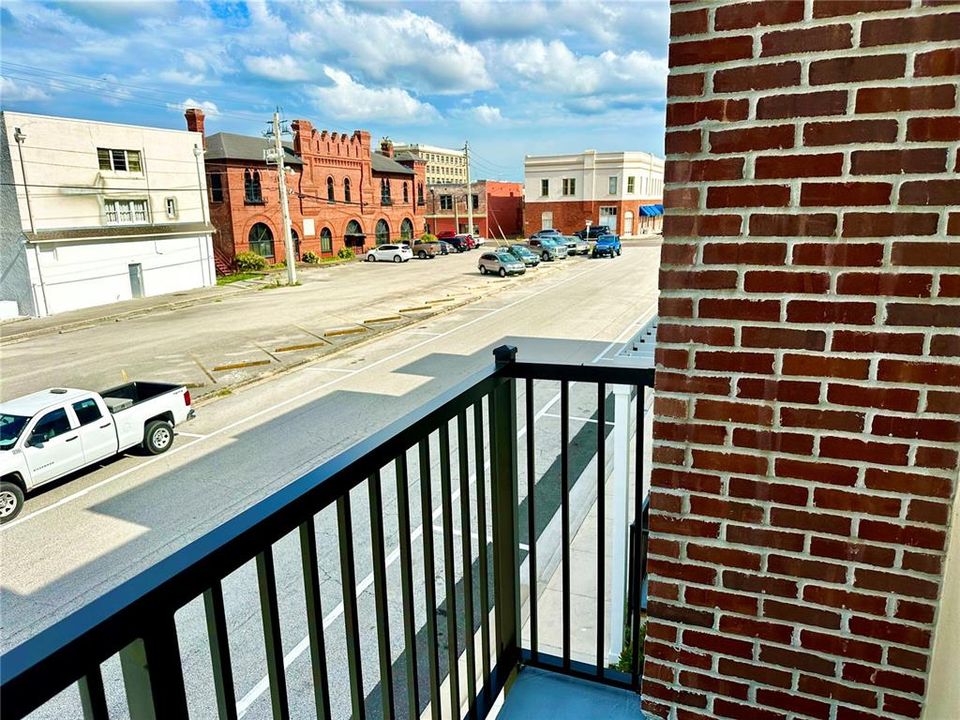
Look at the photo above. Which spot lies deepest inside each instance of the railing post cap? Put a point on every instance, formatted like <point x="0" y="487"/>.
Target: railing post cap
<point x="505" y="354"/>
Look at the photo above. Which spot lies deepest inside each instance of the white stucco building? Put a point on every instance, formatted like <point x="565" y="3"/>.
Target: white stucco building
<point x="623" y="190"/>
<point x="94" y="213"/>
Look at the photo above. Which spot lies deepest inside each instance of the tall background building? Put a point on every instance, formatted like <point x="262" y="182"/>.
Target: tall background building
<point x="444" y="166"/>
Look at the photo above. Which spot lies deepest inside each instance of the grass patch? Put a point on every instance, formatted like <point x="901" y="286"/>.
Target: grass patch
<point x="625" y="663"/>
<point x="227" y="279"/>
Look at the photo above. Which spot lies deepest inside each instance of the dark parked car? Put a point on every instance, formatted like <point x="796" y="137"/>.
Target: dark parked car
<point x="456" y="243"/>
<point x="592" y="232"/>
<point x="608" y="245"/>
<point x="523" y="254"/>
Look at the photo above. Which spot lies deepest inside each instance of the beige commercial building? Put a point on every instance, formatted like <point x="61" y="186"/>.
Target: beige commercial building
<point x="444" y="166"/>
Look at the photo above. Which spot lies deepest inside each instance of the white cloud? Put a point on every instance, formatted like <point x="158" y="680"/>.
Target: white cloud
<point x="210" y="109"/>
<point x="282" y="67"/>
<point x="179" y="77"/>
<point x="554" y="68"/>
<point x="483" y="114"/>
<point x="13" y="91"/>
<point x="347" y="99"/>
<point x="395" y="47"/>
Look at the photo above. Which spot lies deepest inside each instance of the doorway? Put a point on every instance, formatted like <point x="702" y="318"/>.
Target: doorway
<point x="135" y="271"/>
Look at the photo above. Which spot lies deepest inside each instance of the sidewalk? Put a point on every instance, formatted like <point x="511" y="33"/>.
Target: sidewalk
<point x="583" y="564"/>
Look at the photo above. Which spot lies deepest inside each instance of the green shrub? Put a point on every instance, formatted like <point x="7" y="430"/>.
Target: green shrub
<point x="280" y="265"/>
<point x="247" y="261"/>
<point x="346" y="253"/>
<point x="428" y="238"/>
<point x="311" y="257"/>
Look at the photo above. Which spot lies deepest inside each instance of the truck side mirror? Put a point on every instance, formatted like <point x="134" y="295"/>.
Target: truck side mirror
<point x="35" y="440"/>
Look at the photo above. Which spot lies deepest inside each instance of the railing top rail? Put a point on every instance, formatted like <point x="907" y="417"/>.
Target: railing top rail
<point x="43" y="665"/>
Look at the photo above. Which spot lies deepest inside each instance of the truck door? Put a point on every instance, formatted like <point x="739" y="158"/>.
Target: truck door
<point x="53" y="447"/>
<point x="97" y="435"/>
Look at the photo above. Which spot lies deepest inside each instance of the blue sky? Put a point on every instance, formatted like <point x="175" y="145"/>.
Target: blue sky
<point x="514" y="78"/>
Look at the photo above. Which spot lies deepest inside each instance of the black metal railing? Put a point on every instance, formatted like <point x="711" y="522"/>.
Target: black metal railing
<point x="136" y="620"/>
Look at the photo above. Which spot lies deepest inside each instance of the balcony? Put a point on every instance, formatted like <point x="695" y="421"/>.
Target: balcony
<point x="474" y="641"/>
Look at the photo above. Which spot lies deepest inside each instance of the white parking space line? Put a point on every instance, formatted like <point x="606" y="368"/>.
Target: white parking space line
<point x="579" y="419"/>
<point x="293" y="399"/>
<point x="189" y="435"/>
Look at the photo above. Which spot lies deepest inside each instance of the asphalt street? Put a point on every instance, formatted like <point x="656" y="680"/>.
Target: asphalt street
<point x="85" y="535"/>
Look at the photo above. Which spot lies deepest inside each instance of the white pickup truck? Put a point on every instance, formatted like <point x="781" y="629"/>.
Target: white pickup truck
<point x="51" y="433"/>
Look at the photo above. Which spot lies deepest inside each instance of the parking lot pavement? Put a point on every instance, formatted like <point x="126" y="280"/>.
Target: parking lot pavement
<point x="235" y="338"/>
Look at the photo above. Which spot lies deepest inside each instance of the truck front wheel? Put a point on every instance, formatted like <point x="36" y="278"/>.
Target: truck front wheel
<point x="11" y="501"/>
<point x="158" y="437"/>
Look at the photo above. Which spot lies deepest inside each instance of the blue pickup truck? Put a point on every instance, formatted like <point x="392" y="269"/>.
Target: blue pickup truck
<point x="606" y="245"/>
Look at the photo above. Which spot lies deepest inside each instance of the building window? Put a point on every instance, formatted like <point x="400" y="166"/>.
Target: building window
<point x="346" y="189"/>
<point x="326" y="240"/>
<point x="631" y="184"/>
<point x="330" y="195"/>
<point x="215" y="186"/>
<point x="612" y="185"/>
<point x="252" y="190"/>
<point x="171" y="206"/>
<point x="569" y="186"/>
<point x="382" y="232"/>
<point x="544" y="187"/>
<point x="260" y="239"/>
<point x="406" y="229"/>
<point x="419" y="193"/>
<point x="385" y="192"/>
<point x="125" y="212"/>
<point x="475" y="200"/>
<point x="406" y="194"/>
<point x="119" y="160"/>
<point x="446" y="202"/>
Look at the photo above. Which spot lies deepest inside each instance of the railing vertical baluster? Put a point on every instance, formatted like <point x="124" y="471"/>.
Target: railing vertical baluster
<point x="531" y="514"/>
<point x="482" y="548"/>
<point x="506" y="530"/>
<point x="638" y="559"/>
<point x="348" y="579"/>
<point x="311" y="586"/>
<point x="601" y="520"/>
<point x="220" y="652"/>
<point x="93" y="699"/>
<point x="430" y="580"/>
<point x="565" y="516"/>
<point x="406" y="586"/>
<point x="463" y="453"/>
<point x="449" y="570"/>
<point x="153" y="673"/>
<point x="269" y="610"/>
<point x="380" y="594"/>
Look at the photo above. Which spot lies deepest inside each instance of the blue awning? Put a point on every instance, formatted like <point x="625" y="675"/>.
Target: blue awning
<point x="659" y="209"/>
<point x="646" y="210"/>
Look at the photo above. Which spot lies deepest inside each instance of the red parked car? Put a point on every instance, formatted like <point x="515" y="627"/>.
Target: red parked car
<point x="459" y="241"/>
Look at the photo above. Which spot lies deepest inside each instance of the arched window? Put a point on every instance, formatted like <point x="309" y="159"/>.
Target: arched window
<point x="326" y="240"/>
<point x="346" y="189"/>
<point x="296" y="243"/>
<point x="260" y="239"/>
<point x="406" y="195"/>
<point x="406" y="229"/>
<point x="419" y="193"/>
<point x="383" y="232"/>
<point x="252" y="192"/>
<point x="330" y="196"/>
<point x="385" y="192"/>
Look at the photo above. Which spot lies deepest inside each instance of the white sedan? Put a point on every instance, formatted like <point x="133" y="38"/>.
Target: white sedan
<point x="390" y="253"/>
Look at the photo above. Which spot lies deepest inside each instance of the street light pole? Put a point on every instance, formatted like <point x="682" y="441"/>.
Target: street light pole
<point x="284" y="203"/>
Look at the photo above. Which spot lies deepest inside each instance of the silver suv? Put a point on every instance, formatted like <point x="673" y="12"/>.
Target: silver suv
<point x="500" y="263"/>
<point x="547" y="248"/>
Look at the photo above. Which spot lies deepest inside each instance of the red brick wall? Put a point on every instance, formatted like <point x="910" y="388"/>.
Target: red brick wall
<point x="807" y="409"/>
<point x="325" y="155"/>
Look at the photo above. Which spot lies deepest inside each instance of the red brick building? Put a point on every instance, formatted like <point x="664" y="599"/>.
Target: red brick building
<point x="804" y="543"/>
<point x="341" y="193"/>
<point x="497" y="208"/>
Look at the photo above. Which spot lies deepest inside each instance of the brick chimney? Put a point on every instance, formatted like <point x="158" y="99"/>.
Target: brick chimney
<point x="386" y="147"/>
<point x="195" y="118"/>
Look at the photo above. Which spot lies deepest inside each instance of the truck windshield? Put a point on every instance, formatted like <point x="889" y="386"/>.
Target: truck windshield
<point x="10" y="428"/>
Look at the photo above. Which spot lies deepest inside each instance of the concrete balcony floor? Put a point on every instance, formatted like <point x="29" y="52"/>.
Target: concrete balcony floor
<point x="542" y="694"/>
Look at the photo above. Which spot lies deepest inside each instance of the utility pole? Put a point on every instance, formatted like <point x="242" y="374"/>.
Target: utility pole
<point x="466" y="154"/>
<point x="284" y="204"/>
